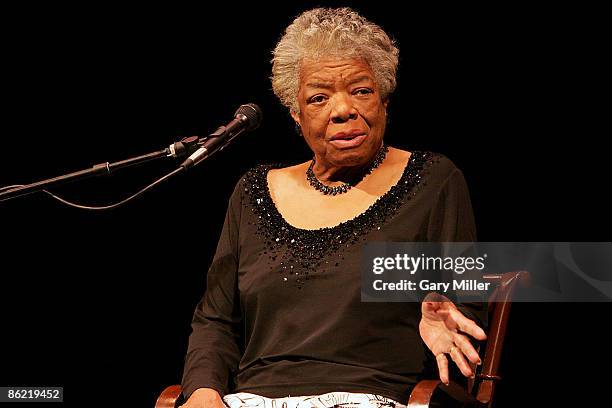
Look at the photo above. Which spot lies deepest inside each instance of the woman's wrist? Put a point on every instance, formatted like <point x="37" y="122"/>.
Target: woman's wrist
<point x="206" y="393"/>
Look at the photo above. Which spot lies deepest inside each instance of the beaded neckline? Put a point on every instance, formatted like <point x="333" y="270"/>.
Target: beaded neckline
<point x="270" y="202"/>
<point x="308" y="250"/>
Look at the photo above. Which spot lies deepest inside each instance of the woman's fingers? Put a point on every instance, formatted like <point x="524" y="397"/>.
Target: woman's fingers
<point x="458" y="353"/>
<point x="431" y="306"/>
<point x="443" y="367"/>
<point x="468" y="326"/>
<point x="461" y="362"/>
<point x="466" y="348"/>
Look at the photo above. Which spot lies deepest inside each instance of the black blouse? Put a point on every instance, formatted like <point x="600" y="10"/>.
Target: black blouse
<point x="282" y="314"/>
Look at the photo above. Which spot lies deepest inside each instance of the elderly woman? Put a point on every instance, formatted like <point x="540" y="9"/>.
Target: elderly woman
<point x="281" y="323"/>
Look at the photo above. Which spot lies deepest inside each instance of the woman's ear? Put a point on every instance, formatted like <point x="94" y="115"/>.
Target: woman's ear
<point x="298" y="126"/>
<point x="386" y="105"/>
<point x="296" y="118"/>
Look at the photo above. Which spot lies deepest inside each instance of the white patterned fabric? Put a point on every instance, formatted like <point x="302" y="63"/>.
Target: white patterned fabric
<point x="329" y="400"/>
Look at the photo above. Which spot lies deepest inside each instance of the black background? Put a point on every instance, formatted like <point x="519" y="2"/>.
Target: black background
<point x="100" y="303"/>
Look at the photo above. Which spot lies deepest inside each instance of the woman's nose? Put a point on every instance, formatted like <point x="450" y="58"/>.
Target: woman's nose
<point x="342" y="109"/>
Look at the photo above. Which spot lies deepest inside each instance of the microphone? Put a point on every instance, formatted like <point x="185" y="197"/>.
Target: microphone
<point x="247" y="118"/>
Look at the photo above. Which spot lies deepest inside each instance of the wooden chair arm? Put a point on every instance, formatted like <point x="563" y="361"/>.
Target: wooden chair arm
<point x="169" y="397"/>
<point x="420" y="397"/>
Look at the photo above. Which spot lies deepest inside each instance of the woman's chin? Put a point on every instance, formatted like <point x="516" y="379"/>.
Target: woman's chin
<point x="351" y="158"/>
<point x="354" y="155"/>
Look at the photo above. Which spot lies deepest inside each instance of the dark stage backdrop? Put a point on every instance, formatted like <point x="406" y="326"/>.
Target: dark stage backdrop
<point x="100" y="303"/>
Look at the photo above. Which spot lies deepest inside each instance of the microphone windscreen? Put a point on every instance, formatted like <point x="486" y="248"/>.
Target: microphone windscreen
<point x="253" y="114"/>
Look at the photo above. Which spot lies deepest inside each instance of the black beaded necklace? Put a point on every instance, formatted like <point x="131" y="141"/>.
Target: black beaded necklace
<point x="327" y="190"/>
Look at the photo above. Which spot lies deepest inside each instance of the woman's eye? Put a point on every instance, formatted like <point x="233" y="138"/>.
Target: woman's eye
<point x="363" y="91"/>
<point x="317" y="99"/>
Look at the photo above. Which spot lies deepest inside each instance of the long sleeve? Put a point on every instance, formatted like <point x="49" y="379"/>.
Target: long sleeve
<point x="452" y="220"/>
<point x="214" y="345"/>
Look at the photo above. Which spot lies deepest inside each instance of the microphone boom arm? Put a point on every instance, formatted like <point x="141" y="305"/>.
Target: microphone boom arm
<point x="178" y="149"/>
<point x="247" y="117"/>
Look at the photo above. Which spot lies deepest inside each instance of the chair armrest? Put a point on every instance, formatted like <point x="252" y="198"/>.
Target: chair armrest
<point x="420" y="397"/>
<point x="169" y="397"/>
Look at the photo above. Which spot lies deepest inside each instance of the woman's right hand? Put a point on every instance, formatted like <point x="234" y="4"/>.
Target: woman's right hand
<point x="204" y="398"/>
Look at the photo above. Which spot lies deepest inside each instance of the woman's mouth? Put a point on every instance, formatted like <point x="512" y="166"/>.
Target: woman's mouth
<point x="344" y="140"/>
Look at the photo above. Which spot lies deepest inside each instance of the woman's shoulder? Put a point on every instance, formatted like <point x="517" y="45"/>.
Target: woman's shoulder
<point x="428" y="168"/>
<point x="276" y="168"/>
<point x="273" y="172"/>
<point x="261" y="179"/>
<point x="287" y="172"/>
<point x="443" y="164"/>
<point x="434" y="163"/>
<point x="440" y="171"/>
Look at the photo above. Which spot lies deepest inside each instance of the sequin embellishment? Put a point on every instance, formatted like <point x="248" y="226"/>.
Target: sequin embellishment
<point x="307" y="250"/>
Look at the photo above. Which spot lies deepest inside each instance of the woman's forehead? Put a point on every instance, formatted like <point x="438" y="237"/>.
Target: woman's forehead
<point x="333" y="70"/>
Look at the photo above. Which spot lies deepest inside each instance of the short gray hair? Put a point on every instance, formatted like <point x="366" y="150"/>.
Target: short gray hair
<point x="336" y="33"/>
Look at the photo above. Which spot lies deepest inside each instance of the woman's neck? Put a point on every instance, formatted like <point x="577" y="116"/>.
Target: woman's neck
<point x="328" y="173"/>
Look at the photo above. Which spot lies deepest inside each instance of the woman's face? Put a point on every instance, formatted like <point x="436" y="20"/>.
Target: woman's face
<point x="342" y="114"/>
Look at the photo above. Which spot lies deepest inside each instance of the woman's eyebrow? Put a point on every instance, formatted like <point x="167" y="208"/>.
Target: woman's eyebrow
<point x="330" y="85"/>
<point x="324" y="85"/>
<point x="363" y="78"/>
